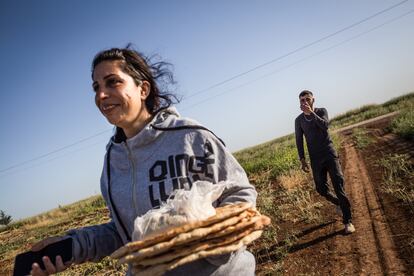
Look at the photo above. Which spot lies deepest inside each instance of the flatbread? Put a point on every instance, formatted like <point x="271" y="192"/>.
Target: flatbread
<point x="222" y="213"/>
<point x="244" y="223"/>
<point x="202" y="245"/>
<point x="158" y="270"/>
<point x="183" y="238"/>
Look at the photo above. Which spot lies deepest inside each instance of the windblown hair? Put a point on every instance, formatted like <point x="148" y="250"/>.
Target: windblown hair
<point x="140" y="68"/>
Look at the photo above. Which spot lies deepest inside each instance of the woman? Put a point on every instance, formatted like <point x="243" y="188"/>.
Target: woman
<point x="153" y="152"/>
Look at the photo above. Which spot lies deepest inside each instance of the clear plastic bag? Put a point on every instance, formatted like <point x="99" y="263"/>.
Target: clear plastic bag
<point x="182" y="207"/>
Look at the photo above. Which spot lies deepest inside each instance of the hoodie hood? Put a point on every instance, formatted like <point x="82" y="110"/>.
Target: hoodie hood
<point x="164" y="119"/>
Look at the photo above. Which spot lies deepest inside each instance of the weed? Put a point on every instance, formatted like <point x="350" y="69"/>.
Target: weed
<point x="403" y="125"/>
<point x="270" y="255"/>
<point x="361" y="137"/>
<point x="106" y="266"/>
<point x="276" y="157"/>
<point x="398" y="177"/>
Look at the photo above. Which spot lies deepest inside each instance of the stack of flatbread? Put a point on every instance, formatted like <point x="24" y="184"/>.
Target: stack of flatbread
<point x="233" y="227"/>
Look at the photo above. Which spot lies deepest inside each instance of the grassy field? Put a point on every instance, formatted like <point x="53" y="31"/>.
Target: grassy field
<point x="19" y="236"/>
<point x="398" y="169"/>
<point x="402" y="103"/>
<point x="285" y="194"/>
<point x="403" y="125"/>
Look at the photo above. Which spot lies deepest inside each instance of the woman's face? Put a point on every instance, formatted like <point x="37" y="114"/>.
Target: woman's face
<point x="117" y="95"/>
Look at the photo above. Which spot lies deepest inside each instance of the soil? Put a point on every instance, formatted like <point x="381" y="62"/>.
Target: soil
<point x="380" y="244"/>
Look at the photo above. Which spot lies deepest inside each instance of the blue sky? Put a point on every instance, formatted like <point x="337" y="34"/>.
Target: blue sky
<point x="46" y="48"/>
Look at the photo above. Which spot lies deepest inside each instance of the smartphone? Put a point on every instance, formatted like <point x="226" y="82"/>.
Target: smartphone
<point x="23" y="262"/>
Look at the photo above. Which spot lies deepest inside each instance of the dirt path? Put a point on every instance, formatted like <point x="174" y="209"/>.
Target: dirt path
<point x="324" y="249"/>
<point x="372" y="251"/>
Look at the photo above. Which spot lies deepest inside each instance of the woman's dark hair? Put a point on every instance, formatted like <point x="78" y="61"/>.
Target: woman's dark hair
<point x="140" y="68"/>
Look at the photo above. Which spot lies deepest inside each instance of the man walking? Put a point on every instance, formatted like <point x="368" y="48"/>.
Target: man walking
<point x="313" y="123"/>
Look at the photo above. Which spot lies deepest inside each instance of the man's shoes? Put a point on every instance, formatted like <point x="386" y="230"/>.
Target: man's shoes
<point x="338" y="210"/>
<point x="349" y="228"/>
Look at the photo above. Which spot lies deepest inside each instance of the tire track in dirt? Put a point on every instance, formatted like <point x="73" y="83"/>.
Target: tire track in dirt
<point x="372" y="251"/>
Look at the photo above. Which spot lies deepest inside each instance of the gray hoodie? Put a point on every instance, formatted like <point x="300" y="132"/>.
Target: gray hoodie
<point x="170" y="153"/>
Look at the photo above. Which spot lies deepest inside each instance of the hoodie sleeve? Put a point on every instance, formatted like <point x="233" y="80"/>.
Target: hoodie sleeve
<point x="93" y="243"/>
<point x="226" y="168"/>
<point x="239" y="188"/>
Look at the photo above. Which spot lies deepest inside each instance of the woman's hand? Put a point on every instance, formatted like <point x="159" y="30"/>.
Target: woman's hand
<point x="50" y="267"/>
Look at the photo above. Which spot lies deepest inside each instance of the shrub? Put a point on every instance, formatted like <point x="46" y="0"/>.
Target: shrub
<point x="4" y="219"/>
<point x="403" y="125"/>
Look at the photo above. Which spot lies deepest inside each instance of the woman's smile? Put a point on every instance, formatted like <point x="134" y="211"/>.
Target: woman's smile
<point x="108" y="108"/>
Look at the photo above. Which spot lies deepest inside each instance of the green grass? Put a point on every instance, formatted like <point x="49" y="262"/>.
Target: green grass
<point x="273" y="158"/>
<point x="370" y="111"/>
<point x="20" y="235"/>
<point x="398" y="177"/>
<point x="361" y="138"/>
<point x="403" y="125"/>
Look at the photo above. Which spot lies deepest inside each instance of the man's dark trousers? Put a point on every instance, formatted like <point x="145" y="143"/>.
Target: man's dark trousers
<point x="320" y="169"/>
